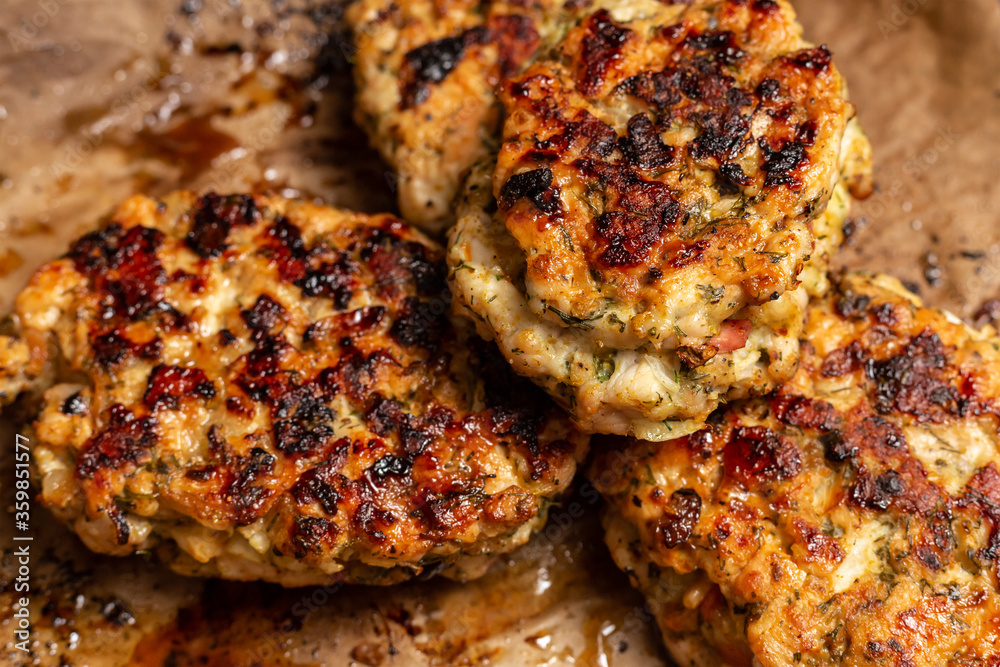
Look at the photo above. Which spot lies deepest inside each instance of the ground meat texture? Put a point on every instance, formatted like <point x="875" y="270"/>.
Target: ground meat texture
<point x="427" y="73"/>
<point x="264" y="388"/>
<point x="848" y="517"/>
<point x="665" y="172"/>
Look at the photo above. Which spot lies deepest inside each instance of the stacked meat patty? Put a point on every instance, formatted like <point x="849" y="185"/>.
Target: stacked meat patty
<point x="641" y="200"/>
<point x="427" y="73"/>
<point x="268" y="389"/>
<point x="672" y="181"/>
<point x="851" y="517"/>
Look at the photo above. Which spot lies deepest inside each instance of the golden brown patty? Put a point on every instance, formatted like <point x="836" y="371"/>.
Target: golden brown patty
<point x="849" y="518"/>
<point x="668" y="177"/>
<point x="272" y="390"/>
<point x="426" y="74"/>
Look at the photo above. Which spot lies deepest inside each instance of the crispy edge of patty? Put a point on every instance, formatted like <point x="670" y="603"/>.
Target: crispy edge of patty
<point x="754" y="502"/>
<point x="125" y="276"/>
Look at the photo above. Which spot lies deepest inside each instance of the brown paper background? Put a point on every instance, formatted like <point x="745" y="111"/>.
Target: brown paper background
<point x="101" y="99"/>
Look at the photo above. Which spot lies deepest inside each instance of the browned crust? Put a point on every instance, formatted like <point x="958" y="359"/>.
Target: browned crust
<point x="879" y="456"/>
<point x="327" y="398"/>
<point x="614" y="205"/>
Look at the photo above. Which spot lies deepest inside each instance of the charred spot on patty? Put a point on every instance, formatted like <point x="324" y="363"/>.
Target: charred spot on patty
<point x="756" y="455"/>
<point x="331" y="279"/>
<point x="915" y="381"/>
<point x="586" y="133"/>
<point x="432" y="62"/>
<point x="127" y="439"/>
<point x="264" y="316"/>
<point x="214" y="216"/>
<point x="643" y="146"/>
<point x="168" y="385"/>
<point x="391" y="465"/>
<point x="74" y="406"/>
<point x="419" y="323"/>
<point x="115" y="347"/>
<point x="816" y="59"/>
<point x="123" y="268"/>
<point x="601" y="50"/>
<point x="245" y="494"/>
<point x="641" y="213"/>
<point x="679" y="518"/>
<point x="308" y="426"/>
<point x="535" y="185"/>
<point x="780" y="164"/>
<point x="319" y="483"/>
<point x="805" y="413"/>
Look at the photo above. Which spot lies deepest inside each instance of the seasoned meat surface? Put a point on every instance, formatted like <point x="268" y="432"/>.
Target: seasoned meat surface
<point x="848" y="518"/>
<point x="269" y="389"/>
<point x="672" y="181"/>
<point x="426" y="75"/>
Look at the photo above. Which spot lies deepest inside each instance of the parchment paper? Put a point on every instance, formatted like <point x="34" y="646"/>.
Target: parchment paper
<point x="100" y="99"/>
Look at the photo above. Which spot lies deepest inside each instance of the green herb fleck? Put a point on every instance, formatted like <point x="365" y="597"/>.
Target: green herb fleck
<point x="574" y="321"/>
<point x="604" y="367"/>
<point x="775" y="257"/>
<point x="711" y="293"/>
<point x="567" y="239"/>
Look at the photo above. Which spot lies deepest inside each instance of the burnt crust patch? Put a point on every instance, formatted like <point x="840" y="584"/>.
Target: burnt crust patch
<point x="319" y="378"/>
<point x="124" y="269"/>
<point x="431" y="63"/>
<point x="601" y="50"/>
<point x="679" y="518"/>
<point x="127" y="439"/>
<point x="643" y="146"/>
<point x="915" y="381"/>
<point x="756" y="455"/>
<point x="168" y="385"/>
<point x="535" y="185"/>
<point x="114" y="347"/>
<point x="214" y="217"/>
<point x="243" y="492"/>
<point x="639" y="214"/>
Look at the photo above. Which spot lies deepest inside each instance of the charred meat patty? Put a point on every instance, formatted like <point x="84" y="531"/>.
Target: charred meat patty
<point x="269" y="389"/>
<point x="426" y="74"/>
<point x="851" y="517"/>
<point x="672" y="181"/>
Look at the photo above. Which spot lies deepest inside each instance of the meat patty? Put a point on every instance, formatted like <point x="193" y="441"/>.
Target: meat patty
<point x="269" y="389"/>
<point x="672" y="182"/>
<point x="426" y="74"/>
<point x="851" y="517"/>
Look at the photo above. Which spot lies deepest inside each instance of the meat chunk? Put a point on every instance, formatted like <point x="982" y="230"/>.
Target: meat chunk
<point x="849" y="517"/>
<point x="668" y="174"/>
<point x="427" y="74"/>
<point x="262" y="388"/>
